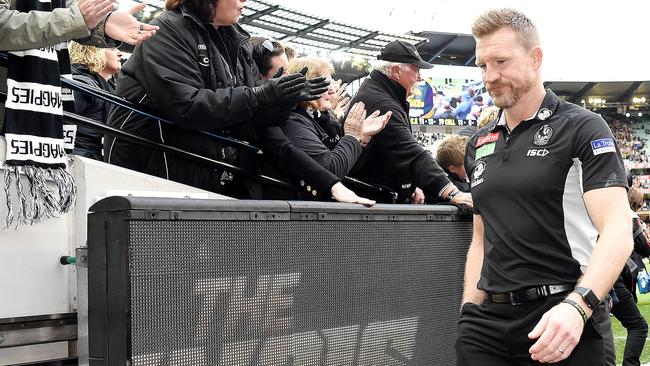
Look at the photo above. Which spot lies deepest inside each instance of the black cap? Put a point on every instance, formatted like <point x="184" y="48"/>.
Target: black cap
<point x="403" y="52"/>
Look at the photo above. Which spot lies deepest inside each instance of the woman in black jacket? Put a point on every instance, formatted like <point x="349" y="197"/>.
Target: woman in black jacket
<point x="312" y="128"/>
<point x="95" y="67"/>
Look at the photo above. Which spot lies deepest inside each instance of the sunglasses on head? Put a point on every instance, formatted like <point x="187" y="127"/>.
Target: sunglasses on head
<point x="264" y="48"/>
<point x="268" y="45"/>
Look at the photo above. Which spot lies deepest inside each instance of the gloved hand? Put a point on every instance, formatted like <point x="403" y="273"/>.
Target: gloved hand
<point x="283" y="90"/>
<point x="278" y="73"/>
<point x="313" y="88"/>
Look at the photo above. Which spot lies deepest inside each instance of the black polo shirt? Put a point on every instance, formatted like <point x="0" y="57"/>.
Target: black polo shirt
<point x="527" y="184"/>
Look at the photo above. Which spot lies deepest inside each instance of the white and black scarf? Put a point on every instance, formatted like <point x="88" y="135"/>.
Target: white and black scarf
<point x="34" y="129"/>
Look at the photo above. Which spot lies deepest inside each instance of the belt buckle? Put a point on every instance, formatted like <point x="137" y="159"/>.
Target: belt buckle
<point x="542" y="291"/>
<point x="514" y="300"/>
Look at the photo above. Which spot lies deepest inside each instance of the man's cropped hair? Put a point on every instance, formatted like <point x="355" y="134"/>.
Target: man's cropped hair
<point x="496" y="19"/>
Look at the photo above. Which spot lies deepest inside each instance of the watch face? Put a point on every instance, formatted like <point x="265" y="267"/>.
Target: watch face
<point x="590" y="298"/>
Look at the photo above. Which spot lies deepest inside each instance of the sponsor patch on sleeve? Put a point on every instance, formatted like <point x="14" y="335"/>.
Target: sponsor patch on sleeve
<point x="602" y="146"/>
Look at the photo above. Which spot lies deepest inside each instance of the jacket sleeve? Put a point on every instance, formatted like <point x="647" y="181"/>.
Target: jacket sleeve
<point x="314" y="180"/>
<point x="398" y="139"/>
<point x="83" y="101"/>
<point x="339" y="160"/>
<point x="35" y="29"/>
<point x="167" y="67"/>
<point x="640" y="236"/>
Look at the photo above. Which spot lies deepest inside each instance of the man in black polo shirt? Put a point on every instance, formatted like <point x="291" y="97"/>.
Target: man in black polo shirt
<point x="551" y="222"/>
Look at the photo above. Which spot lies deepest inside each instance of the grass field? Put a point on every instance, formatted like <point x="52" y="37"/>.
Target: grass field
<point x="620" y="332"/>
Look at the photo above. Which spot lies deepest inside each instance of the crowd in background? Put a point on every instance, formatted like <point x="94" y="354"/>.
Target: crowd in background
<point x="467" y="106"/>
<point x="427" y="139"/>
<point x="632" y="145"/>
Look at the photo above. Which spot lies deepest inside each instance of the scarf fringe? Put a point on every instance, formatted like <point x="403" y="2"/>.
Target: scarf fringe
<point x="10" y="211"/>
<point x="39" y="202"/>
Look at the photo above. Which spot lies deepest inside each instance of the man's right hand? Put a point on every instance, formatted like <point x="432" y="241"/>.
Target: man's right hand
<point x="93" y="11"/>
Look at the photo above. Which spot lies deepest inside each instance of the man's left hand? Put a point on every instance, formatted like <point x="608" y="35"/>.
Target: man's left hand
<point x="557" y="334"/>
<point x="417" y="198"/>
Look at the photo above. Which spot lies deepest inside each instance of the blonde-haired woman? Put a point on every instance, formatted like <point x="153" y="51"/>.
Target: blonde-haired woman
<point x="309" y="126"/>
<point x="93" y="66"/>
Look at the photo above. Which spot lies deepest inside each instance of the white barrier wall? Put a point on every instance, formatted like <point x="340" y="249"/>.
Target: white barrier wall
<point x="33" y="281"/>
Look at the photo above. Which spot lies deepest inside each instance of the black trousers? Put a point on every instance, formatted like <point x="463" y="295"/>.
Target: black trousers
<point x="627" y="312"/>
<point x="497" y="335"/>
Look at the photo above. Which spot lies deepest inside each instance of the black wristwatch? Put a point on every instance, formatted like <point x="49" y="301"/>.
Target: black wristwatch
<point x="590" y="298"/>
<point x="451" y="194"/>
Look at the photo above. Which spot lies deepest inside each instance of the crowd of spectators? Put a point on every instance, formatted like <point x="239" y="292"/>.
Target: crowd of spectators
<point x="466" y="106"/>
<point x="633" y="146"/>
<point x="428" y="140"/>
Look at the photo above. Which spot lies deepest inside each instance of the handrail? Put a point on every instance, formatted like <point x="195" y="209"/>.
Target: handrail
<point x="108" y="130"/>
<point x="378" y="190"/>
<point x="142" y="110"/>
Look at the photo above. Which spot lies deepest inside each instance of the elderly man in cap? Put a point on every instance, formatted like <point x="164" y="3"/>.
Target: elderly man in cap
<point x="393" y="158"/>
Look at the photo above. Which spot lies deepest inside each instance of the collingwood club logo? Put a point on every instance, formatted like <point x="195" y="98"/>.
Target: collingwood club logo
<point x="478" y="171"/>
<point x="543" y="114"/>
<point x="543" y="135"/>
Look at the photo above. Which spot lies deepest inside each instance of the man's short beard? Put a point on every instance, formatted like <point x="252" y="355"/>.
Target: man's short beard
<point x="505" y="102"/>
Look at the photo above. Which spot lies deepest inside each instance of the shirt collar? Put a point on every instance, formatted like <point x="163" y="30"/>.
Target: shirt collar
<point x="543" y="113"/>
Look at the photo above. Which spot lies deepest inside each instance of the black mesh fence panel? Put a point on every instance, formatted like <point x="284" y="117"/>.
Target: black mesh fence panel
<point x="294" y="293"/>
<point x="287" y="292"/>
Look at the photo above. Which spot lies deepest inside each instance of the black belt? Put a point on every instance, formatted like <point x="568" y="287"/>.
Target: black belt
<point x="528" y="294"/>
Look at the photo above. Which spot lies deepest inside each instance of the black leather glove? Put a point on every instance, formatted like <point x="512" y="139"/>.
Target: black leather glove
<point x="313" y="89"/>
<point x="278" y="73"/>
<point x="283" y="90"/>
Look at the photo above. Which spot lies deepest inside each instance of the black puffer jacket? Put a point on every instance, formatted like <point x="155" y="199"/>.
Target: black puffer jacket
<point x="198" y="77"/>
<point x="393" y="158"/>
<point x="88" y="141"/>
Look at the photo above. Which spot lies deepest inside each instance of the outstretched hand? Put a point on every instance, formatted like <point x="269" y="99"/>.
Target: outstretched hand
<point x="121" y="25"/>
<point x="362" y="127"/>
<point x="278" y="73"/>
<point x="314" y="88"/>
<point x="341" y="193"/>
<point x="340" y="99"/>
<point x="375" y="123"/>
<point x="93" y="11"/>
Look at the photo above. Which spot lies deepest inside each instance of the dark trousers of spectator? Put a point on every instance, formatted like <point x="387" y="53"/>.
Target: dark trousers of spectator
<point x="627" y="312"/>
<point x="497" y="335"/>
